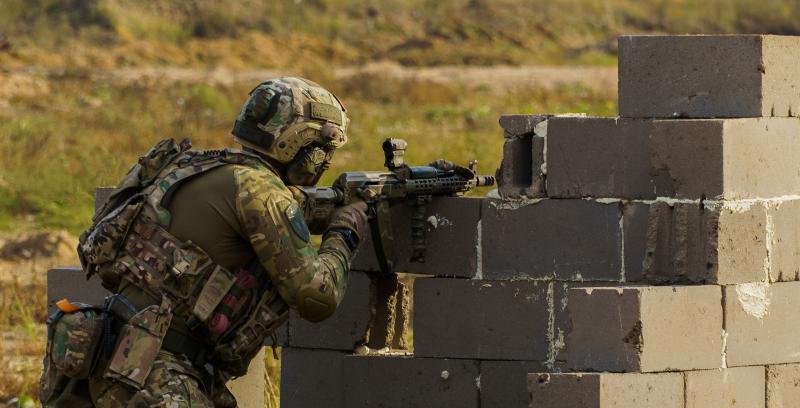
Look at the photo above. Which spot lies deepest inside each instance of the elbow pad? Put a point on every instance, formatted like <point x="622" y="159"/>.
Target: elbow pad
<point x="314" y="305"/>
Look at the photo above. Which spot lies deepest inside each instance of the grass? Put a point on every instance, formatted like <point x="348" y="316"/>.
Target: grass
<point x="54" y="151"/>
<point x="282" y="33"/>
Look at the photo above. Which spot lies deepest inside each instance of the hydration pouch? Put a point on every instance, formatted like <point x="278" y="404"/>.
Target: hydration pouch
<point x="138" y="344"/>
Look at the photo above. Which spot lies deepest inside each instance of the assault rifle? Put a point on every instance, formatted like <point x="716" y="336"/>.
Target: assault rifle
<point x="415" y="185"/>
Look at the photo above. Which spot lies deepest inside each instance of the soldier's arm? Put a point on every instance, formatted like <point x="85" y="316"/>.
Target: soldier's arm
<point x="310" y="281"/>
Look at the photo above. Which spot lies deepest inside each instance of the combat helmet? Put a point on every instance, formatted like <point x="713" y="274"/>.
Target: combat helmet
<point x="284" y="115"/>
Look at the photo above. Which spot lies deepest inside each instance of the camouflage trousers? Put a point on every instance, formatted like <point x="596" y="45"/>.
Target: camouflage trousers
<point x="173" y="383"/>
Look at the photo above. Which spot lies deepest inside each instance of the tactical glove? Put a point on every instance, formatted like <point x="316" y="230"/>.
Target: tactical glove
<point x="351" y="217"/>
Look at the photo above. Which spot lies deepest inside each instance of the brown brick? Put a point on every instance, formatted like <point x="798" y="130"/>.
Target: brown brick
<point x="708" y="76"/>
<point x="783" y="386"/>
<point x="725" y="388"/>
<point x="312" y="378"/>
<point x="562" y="239"/>
<point x="504" y="383"/>
<point x="644" y="159"/>
<point x="451" y="240"/>
<point x="346" y="329"/>
<point x="606" y="390"/>
<point x="645" y="328"/>
<point x="390" y="382"/>
<point x="496" y="320"/>
<point x="761" y="322"/>
<point x="693" y="243"/>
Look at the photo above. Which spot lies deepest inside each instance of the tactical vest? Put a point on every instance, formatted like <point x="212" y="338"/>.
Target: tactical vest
<point x="129" y="242"/>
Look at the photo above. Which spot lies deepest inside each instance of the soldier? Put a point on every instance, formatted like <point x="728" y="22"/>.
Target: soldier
<point x="207" y="251"/>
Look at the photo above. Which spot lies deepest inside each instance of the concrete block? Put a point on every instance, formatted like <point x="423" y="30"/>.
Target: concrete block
<point x="761" y="322"/>
<point x="575" y="240"/>
<point x="702" y="76"/>
<point x="389" y="382"/>
<point x="348" y="326"/>
<point x="784" y="230"/>
<point x="312" y="378"/>
<point x="783" y="386"/>
<point x="71" y="283"/>
<point x="451" y="239"/>
<point x="250" y="390"/>
<point x="522" y="171"/>
<point x="391" y="313"/>
<point x="504" y="383"/>
<point x="645" y="328"/>
<point x="728" y="159"/>
<point x="690" y="243"/>
<point x="606" y="390"/>
<point x="725" y="388"/>
<point x="599" y="157"/>
<point x="493" y="320"/>
<point x="518" y="125"/>
<point x="101" y="195"/>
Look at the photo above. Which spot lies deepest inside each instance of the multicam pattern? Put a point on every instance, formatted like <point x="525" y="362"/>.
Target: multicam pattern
<point x="295" y="101"/>
<point x="75" y="338"/>
<point x="292" y="263"/>
<point x="172" y="383"/>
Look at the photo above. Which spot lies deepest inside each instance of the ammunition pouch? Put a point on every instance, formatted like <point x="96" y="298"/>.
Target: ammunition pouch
<point x="74" y="334"/>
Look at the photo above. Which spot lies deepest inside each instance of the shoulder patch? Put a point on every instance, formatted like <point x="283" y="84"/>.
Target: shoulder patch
<point x="294" y="215"/>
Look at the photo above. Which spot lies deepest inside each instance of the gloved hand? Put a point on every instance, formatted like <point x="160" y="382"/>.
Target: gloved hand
<point x="352" y="216"/>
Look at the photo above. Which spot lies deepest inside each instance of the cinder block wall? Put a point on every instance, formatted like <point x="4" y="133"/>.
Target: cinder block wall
<point x="646" y="260"/>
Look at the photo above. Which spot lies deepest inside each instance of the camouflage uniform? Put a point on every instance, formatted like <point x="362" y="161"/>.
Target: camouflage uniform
<point x="231" y="210"/>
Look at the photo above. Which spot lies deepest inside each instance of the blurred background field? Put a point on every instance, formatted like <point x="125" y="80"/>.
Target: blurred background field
<point x="86" y="86"/>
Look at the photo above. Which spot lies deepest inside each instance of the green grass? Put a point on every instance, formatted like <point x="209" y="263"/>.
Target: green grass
<point x="412" y="32"/>
<point x="55" y="151"/>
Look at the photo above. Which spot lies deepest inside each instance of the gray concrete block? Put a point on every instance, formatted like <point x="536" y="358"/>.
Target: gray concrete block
<point x="728" y="159"/>
<point x="703" y="76"/>
<point x="606" y="390"/>
<point x="518" y="125"/>
<point x="504" y="383"/>
<point x="691" y="243"/>
<point x="783" y="386"/>
<point x="451" y="239"/>
<point x="408" y="382"/>
<point x="726" y="388"/>
<point x="346" y="329"/>
<point x="784" y="225"/>
<point x="101" y="195"/>
<point x="645" y="328"/>
<point x="71" y="283"/>
<point x="761" y="323"/>
<point x="312" y="378"/>
<point x="522" y="171"/>
<point x="494" y="320"/>
<point x="599" y="157"/>
<point x="576" y="240"/>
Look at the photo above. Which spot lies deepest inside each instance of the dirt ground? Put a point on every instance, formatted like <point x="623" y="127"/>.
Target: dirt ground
<point x="499" y="79"/>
